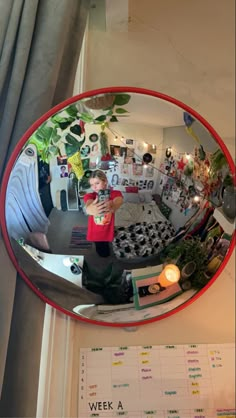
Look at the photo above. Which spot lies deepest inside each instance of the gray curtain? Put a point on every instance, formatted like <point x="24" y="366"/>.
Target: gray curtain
<point x="40" y="42"/>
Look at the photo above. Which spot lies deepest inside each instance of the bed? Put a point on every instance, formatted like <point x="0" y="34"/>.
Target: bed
<point x="141" y="228"/>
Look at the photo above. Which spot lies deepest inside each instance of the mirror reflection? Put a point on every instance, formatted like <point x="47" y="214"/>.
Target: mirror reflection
<point x="120" y="206"/>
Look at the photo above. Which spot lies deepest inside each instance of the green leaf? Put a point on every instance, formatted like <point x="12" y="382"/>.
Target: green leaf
<point x="76" y="129"/>
<point x="53" y="150"/>
<point x="120" y="110"/>
<point x="113" y="119"/>
<point x="62" y="122"/>
<point x="86" y="117"/>
<point x="44" y="132"/>
<point x="101" y="118"/>
<point x="72" y="111"/>
<point x="71" y="139"/>
<point x="121" y="99"/>
<point x="35" y="141"/>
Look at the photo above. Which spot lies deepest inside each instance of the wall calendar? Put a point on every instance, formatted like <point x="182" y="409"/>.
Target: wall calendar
<point x="165" y="381"/>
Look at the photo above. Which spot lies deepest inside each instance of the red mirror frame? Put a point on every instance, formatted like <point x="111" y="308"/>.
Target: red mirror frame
<point x="27" y="135"/>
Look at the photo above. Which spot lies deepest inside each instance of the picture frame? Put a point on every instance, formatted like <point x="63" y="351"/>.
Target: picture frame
<point x="147" y="291"/>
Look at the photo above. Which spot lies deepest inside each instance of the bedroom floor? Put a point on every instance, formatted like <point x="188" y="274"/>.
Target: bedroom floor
<point x="59" y="237"/>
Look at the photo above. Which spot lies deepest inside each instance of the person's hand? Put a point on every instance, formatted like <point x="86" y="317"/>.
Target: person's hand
<point x="96" y="208"/>
<point x="108" y="205"/>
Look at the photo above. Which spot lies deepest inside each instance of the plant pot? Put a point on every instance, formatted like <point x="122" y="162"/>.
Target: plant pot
<point x="214" y="264"/>
<point x="229" y="202"/>
<point x="188" y="270"/>
<point x="186" y="285"/>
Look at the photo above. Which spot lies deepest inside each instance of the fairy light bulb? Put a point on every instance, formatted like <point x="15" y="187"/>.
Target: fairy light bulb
<point x="187" y="156"/>
<point x="196" y="199"/>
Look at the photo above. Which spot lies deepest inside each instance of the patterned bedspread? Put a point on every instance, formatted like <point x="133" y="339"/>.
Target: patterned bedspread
<point x="142" y="239"/>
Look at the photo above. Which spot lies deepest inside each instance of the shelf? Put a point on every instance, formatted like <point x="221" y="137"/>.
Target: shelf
<point x="227" y="224"/>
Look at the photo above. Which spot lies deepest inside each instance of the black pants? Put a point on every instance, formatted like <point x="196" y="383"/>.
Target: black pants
<point x="102" y="248"/>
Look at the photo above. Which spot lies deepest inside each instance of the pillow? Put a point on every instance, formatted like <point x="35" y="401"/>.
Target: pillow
<point x="145" y="196"/>
<point x="131" y="197"/>
<point x="157" y="199"/>
<point x="131" y="189"/>
<point x="165" y="210"/>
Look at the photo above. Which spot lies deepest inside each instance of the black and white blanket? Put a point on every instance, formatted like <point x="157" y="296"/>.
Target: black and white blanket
<point x="142" y="239"/>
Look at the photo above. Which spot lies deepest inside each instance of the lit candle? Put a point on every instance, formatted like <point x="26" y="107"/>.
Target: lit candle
<point x="169" y="275"/>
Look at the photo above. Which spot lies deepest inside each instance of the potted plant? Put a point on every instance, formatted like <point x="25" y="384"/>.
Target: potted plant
<point x="191" y="256"/>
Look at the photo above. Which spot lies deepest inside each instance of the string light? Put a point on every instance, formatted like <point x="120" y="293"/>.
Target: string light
<point x="196" y="198"/>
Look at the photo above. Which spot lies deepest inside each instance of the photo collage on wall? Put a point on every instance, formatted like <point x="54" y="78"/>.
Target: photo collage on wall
<point x="130" y="170"/>
<point x="176" y="180"/>
<point x="124" y="167"/>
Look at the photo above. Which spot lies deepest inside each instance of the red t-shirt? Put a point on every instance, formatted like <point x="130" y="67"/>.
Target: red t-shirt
<point x="101" y="228"/>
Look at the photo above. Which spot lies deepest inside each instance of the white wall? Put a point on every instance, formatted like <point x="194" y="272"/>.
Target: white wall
<point x="184" y="49"/>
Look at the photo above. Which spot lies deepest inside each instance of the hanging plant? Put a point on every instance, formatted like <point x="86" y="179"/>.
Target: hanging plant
<point x="104" y="143"/>
<point x="46" y="141"/>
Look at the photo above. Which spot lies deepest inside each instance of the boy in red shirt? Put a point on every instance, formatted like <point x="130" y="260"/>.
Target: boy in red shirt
<point x="101" y="213"/>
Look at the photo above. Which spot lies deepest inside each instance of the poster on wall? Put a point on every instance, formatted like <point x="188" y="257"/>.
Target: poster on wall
<point x="137" y="169"/>
<point x="124" y="169"/>
<point x="94" y="155"/>
<point x="149" y="171"/>
<point x="62" y="171"/>
<point x="129" y="141"/>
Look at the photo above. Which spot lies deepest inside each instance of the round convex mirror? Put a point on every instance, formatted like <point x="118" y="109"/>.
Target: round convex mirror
<point x="112" y="206"/>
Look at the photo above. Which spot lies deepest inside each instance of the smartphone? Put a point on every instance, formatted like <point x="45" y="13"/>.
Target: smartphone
<point x="104" y="195"/>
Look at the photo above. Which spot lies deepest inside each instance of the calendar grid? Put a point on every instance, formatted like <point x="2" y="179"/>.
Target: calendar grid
<point x="171" y="381"/>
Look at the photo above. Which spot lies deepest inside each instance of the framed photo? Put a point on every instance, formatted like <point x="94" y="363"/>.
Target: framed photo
<point x="124" y="169"/>
<point x="149" y="171"/>
<point x="62" y="160"/>
<point x="148" y="292"/>
<point x="115" y="150"/>
<point x="130" y="152"/>
<point x="129" y="141"/>
<point x="137" y="169"/>
<point x="63" y="171"/>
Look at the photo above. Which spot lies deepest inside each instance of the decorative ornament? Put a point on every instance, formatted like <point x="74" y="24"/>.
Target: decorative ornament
<point x="147" y="158"/>
<point x="93" y="137"/>
<point x="76" y="164"/>
<point x="201" y="153"/>
<point x="168" y="152"/>
<point x="104" y="143"/>
<point x="188" y="119"/>
<point x="181" y="164"/>
<point x="190" y="131"/>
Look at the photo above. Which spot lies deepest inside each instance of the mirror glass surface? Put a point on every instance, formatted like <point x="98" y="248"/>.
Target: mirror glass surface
<point x="172" y="234"/>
